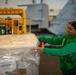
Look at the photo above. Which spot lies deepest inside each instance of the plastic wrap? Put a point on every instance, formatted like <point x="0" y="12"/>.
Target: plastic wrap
<point x="19" y="60"/>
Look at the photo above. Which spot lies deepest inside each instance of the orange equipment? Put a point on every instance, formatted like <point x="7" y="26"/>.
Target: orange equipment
<point x="16" y="26"/>
<point x="42" y="44"/>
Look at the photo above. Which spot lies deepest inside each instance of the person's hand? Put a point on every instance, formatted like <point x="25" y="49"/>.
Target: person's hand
<point x="40" y="50"/>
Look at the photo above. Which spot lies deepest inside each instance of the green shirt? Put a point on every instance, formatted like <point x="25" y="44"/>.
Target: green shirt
<point x="66" y="51"/>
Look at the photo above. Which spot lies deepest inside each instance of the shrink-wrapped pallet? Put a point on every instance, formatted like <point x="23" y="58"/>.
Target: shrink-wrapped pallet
<point x="18" y="55"/>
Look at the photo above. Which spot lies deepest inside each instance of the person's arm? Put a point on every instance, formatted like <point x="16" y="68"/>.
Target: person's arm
<point x="53" y="40"/>
<point x="68" y="49"/>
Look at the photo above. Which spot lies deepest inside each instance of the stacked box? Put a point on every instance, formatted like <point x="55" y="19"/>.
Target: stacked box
<point x="18" y="55"/>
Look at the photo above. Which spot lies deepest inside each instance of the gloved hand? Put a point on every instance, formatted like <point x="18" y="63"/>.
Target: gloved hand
<point x="40" y="50"/>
